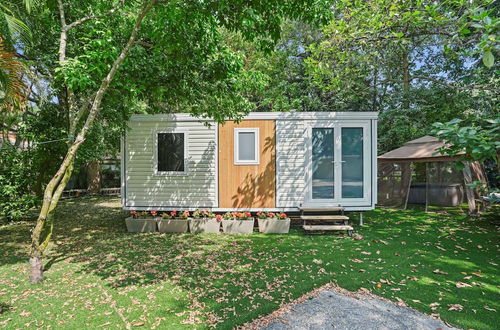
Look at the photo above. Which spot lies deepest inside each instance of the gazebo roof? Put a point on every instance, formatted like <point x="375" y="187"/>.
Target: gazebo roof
<point x="424" y="149"/>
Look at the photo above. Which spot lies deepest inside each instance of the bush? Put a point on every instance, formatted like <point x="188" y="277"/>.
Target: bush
<point x="16" y="179"/>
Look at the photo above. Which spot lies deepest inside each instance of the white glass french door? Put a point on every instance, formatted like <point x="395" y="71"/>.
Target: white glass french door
<point x="338" y="164"/>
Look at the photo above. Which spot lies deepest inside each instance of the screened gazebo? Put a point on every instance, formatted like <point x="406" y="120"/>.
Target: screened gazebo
<point x="417" y="173"/>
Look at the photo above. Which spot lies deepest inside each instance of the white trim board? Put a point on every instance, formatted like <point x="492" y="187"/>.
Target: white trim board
<point x="220" y="209"/>
<point x="264" y="115"/>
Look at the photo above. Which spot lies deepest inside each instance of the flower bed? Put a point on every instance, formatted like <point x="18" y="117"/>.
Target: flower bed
<point x="203" y="221"/>
<point x="272" y="223"/>
<point x="173" y="222"/>
<point x="237" y="223"/>
<point x="140" y="222"/>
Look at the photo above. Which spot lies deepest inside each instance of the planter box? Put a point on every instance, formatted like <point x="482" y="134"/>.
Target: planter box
<point x="140" y="225"/>
<point x="199" y="226"/>
<point x="238" y="226"/>
<point x="274" y="226"/>
<point x="173" y="225"/>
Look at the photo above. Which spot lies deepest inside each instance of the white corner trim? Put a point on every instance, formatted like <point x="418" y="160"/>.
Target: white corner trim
<point x="236" y="140"/>
<point x="184" y="131"/>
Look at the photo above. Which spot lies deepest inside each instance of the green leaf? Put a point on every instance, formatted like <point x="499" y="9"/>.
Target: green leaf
<point x="488" y="59"/>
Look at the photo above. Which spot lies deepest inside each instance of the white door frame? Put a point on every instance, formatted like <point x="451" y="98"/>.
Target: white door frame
<point x="367" y="155"/>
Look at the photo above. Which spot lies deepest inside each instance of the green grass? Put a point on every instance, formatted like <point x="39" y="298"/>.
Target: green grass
<point x="100" y="275"/>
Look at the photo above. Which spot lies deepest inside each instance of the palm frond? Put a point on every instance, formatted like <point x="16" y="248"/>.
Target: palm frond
<point x="17" y="28"/>
<point x="13" y="93"/>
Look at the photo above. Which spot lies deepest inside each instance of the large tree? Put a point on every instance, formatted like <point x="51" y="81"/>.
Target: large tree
<point x="149" y="56"/>
<point x="416" y="62"/>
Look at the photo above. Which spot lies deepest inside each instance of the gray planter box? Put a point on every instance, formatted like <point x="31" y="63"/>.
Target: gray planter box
<point x="173" y="225"/>
<point x="199" y="226"/>
<point x="274" y="226"/>
<point x="238" y="226"/>
<point x="140" y="225"/>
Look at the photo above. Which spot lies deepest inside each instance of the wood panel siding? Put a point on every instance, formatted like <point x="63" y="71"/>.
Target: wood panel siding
<point x="247" y="186"/>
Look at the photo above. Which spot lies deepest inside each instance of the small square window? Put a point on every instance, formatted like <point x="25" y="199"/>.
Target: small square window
<point x="246" y="146"/>
<point x="171" y="152"/>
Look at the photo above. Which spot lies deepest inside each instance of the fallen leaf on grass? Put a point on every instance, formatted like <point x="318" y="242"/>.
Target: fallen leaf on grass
<point x="366" y="253"/>
<point x="462" y="285"/>
<point x="317" y="261"/>
<point x="455" y="307"/>
<point x="437" y="271"/>
<point x="364" y="290"/>
<point x="434" y="305"/>
<point x="401" y="302"/>
<point x="356" y="261"/>
<point x="478" y="274"/>
<point x="489" y="308"/>
<point x="138" y="324"/>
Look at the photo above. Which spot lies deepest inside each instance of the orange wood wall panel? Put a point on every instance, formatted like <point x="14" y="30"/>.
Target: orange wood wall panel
<point x="247" y="186"/>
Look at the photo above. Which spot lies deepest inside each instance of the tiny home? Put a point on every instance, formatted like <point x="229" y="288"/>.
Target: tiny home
<point x="272" y="161"/>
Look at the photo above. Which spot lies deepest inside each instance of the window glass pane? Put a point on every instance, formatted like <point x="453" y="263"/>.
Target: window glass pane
<point x="352" y="165"/>
<point x="171" y="152"/>
<point x="322" y="162"/>
<point x="246" y="146"/>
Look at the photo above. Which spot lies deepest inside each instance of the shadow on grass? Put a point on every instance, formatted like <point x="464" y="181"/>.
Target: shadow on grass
<point x="238" y="278"/>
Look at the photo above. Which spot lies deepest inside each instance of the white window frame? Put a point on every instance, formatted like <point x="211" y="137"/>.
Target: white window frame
<point x="155" y="151"/>
<point x="238" y="161"/>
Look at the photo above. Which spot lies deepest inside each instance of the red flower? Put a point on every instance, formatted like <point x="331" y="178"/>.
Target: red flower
<point x="154" y="213"/>
<point x="133" y="214"/>
<point x="173" y="213"/>
<point x="248" y="214"/>
<point x="218" y="217"/>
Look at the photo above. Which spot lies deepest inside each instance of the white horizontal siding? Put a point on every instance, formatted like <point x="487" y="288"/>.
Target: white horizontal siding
<point x="290" y="176"/>
<point x="144" y="189"/>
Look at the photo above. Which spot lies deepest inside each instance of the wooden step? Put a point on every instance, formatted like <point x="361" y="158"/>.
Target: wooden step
<point x="324" y="217"/>
<point x="315" y="209"/>
<point x="329" y="227"/>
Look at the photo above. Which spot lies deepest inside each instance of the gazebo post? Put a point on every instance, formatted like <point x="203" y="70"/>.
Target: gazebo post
<point x="426" y="185"/>
<point x="469" y="192"/>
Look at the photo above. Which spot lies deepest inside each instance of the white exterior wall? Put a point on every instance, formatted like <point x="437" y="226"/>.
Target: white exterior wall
<point x="143" y="188"/>
<point x="290" y="162"/>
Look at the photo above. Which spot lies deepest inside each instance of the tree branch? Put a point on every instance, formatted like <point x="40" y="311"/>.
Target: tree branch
<point x="96" y="103"/>
<point x="468" y="87"/>
<point x="87" y="18"/>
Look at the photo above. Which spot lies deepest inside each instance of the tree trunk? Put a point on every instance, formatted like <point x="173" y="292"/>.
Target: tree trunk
<point x="56" y="185"/>
<point x="36" y="269"/>
<point x="94" y="178"/>
<point x="406" y="81"/>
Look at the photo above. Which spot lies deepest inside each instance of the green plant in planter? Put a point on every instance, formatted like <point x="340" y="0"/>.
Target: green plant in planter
<point x="242" y="215"/>
<point x="184" y="215"/>
<point x="282" y="216"/>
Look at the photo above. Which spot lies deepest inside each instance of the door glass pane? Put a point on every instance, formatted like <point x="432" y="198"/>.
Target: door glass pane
<point x="171" y="152"/>
<point x="352" y="162"/>
<point x="246" y="146"/>
<point x="322" y="162"/>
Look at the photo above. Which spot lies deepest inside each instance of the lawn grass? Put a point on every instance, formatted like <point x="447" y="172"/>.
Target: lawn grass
<point x="100" y="275"/>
